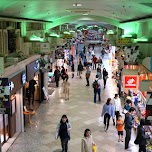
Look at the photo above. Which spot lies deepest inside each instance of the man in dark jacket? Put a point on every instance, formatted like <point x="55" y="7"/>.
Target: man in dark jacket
<point x="128" y="126"/>
<point x="57" y="75"/>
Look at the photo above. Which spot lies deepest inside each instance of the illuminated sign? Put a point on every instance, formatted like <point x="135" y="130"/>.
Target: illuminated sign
<point x="130" y="82"/>
<point x="124" y="40"/>
<point x="23" y="78"/>
<point x="36" y="67"/>
<point x="11" y="85"/>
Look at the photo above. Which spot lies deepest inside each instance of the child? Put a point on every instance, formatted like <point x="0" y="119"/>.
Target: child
<point x="120" y="128"/>
<point x="66" y="89"/>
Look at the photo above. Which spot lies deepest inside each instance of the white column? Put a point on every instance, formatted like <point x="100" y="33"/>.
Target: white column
<point x="19" y="111"/>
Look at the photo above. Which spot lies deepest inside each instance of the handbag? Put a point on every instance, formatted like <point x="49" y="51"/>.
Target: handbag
<point x="94" y="148"/>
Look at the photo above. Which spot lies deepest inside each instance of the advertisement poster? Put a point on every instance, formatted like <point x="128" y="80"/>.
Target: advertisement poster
<point x="4" y="96"/>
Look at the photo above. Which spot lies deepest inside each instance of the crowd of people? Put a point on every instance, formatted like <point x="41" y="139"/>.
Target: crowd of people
<point x="111" y="109"/>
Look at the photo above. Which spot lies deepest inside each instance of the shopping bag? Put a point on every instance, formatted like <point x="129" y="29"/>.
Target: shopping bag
<point x="100" y="121"/>
<point x="94" y="148"/>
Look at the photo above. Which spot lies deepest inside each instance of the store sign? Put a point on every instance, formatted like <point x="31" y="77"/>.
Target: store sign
<point x="23" y="78"/>
<point x="124" y="40"/>
<point x="130" y="82"/>
<point x="36" y="67"/>
<point x="4" y="96"/>
<point x="11" y="85"/>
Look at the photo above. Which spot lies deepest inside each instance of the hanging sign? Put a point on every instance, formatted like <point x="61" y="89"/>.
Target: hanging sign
<point x="130" y="82"/>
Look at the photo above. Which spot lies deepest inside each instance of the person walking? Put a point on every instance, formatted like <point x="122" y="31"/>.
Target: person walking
<point x="87" y="142"/>
<point x="141" y="137"/>
<point x="128" y="126"/>
<point x="94" y="61"/>
<point x="97" y="89"/>
<point x="117" y="105"/>
<point x="72" y="69"/>
<point x="63" y="131"/>
<point x="63" y="73"/>
<point x="99" y="71"/>
<point x="66" y="88"/>
<point x="57" y="75"/>
<point x="32" y="84"/>
<point x="105" y="77"/>
<point x="80" y="69"/>
<point x="88" y="73"/>
<point x="108" y="111"/>
<point x="120" y="128"/>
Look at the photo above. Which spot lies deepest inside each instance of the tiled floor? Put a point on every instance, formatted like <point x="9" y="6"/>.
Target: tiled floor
<point x="82" y="114"/>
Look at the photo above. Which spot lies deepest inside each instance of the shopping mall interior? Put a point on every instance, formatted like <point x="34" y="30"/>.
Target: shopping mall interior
<point x="75" y="76"/>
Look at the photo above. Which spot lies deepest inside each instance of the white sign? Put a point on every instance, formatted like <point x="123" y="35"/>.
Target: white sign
<point x="1" y="65"/>
<point x="11" y="85"/>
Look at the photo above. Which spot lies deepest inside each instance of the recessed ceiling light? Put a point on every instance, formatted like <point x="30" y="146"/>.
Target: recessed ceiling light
<point x="85" y="14"/>
<point x="77" y="4"/>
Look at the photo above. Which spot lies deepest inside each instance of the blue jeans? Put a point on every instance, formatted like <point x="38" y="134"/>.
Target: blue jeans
<point x="95" y="94"/>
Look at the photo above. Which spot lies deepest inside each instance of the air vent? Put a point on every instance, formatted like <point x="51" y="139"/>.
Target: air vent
<point x="80" y="10"/>
<point x="147" y="4"/>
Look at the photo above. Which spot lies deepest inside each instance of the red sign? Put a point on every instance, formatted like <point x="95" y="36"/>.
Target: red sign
<point x="130" y="82"/>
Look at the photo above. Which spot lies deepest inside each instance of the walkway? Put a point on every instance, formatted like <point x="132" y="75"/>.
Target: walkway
<point x="82" y="114"/>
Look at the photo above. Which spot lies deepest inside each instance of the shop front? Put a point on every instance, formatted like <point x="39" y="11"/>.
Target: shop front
<point x="11" y="105"/>
<point x="32" y="90"/>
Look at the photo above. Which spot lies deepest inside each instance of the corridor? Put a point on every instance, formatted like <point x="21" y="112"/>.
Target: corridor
<point x="81" y="112"/>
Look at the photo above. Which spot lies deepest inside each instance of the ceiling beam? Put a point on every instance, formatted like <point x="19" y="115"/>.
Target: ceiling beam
<point x="147" y="17"/>
<point x="8" y="18"/>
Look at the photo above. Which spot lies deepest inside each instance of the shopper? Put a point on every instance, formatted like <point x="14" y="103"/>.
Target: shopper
<point x="141" y="137"/>
<point x="105" y="77"/>
<point x="57" y="75"/>
<point x="99" y="71"/>
<point x="120" y="128"/>
<point x="117" y="105"/>
<point x="128" y="126"/>
<point x="63" y="73"/>
<point x="85" y="61"/>
<point x="108" y="111"/>
<point x="80" y="69"/>
<point x="66" y="88"/>
<point x="63" y="131"/>
<point x="88" y="73"/>
<point x="72" y="69"/>
<point x="97" y="89"/>
<point x="94" y="61"/>
<point x="32" y="84"/>
<point x="87" y="142"/>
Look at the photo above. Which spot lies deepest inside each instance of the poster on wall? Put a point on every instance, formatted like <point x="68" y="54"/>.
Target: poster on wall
<point x="4" y="96"/>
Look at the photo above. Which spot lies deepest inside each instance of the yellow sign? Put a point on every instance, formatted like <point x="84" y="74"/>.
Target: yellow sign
<point x="124" y="40"/>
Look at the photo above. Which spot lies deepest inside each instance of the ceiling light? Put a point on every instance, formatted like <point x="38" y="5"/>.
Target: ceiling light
<point x="77" y="5"/>
<point x="85" y="14"/>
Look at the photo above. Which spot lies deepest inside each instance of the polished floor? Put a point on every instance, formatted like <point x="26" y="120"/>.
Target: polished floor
<point x="82" y="114"/>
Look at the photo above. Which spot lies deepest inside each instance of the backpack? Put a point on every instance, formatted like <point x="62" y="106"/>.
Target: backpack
<point x="95" y="85"/>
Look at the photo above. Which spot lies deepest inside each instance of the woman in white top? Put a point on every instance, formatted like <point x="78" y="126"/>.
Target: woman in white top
<point x="87" y="141"/>
<point x="117" y="105"/>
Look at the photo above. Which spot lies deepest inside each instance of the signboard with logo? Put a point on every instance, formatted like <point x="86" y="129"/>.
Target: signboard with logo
<point x="124" y="40"/>
<point x="5" y="105"/>
<point x="131" y="82"/>
<point x="31" y="69"/>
